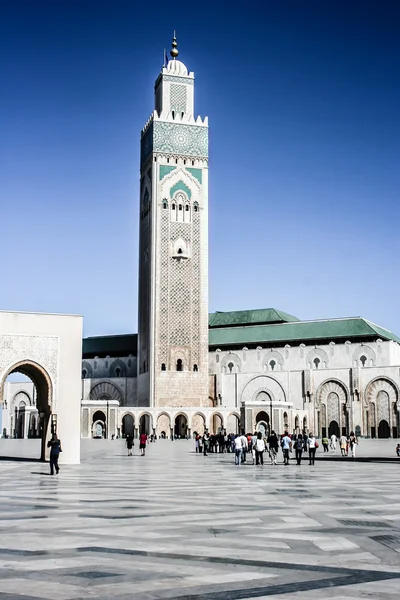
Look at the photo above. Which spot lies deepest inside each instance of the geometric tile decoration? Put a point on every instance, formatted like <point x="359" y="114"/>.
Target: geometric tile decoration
<point x="178" y="525"/>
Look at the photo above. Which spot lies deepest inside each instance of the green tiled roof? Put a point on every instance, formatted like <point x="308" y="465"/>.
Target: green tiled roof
<point x="249" y="317"/>
<point x="331" y="329"/>
<point x="110" y="345"/>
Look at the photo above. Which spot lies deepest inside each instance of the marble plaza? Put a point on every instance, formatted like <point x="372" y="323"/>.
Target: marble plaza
<point x="179" y="525"/>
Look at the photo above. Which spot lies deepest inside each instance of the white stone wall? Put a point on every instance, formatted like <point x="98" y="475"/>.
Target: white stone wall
<point x="52" y="346"/>
<point x="343" y="385"/>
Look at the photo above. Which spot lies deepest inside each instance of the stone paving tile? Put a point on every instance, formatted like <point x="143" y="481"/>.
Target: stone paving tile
<point x="175" y="524"/>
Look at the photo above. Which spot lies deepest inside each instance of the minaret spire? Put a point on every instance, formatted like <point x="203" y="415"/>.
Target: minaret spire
<point x="174" y="52"/>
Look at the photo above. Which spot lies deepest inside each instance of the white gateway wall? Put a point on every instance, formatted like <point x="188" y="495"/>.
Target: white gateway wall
<point x="54" y="344"/>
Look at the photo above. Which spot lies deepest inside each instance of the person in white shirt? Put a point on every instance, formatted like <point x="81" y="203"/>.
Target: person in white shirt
<point x="333" y="442"/>
<point x="260" y="447"/>
<point x="238" y="449"/>
<point x="286" y="444"/>
<point x="312" y="448"/>
<point x="245" y="447"/>
<point x="253" y="446"/>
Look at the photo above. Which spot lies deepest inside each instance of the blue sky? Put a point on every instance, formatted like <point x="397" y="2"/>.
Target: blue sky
<point x="302" y="98"/>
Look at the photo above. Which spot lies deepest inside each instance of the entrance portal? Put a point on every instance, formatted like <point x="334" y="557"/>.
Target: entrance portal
<point x="180" y="429"/>
<point x="127" y="425"/>
<point x="99" y="424"/>
<point x="334" y="429"/>
<point x="20" y="421"/>
<point x="383" y="429"/>
<point x="262" y="423"/>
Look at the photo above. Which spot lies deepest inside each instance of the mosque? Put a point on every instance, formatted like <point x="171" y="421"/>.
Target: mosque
<point x="187" y="370"/>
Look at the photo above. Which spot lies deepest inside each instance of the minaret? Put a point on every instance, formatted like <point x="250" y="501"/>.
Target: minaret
<point x="173" y="254"/>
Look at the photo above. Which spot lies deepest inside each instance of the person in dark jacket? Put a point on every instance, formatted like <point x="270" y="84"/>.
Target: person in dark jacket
<point x="55" y="448"/>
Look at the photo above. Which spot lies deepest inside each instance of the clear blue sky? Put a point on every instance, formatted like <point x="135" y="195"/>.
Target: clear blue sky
<point x="303" y="99"/>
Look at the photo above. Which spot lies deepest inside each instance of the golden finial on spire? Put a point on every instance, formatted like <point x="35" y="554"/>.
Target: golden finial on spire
<point x="174" y="52"/>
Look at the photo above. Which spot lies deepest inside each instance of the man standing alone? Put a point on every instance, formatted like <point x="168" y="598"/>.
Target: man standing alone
<point x="55" y="448"/>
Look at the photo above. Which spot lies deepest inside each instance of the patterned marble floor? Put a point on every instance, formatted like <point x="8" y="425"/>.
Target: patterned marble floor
<point x="179" y="525"/>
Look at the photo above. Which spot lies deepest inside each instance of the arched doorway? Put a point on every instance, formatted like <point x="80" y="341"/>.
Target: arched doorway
<point x="383" y="429"/>
<point x="305" y="425"/>
<point x="262" y="423"/>
<point x="198" y="424"/>
<point x="334" y="429"/>
<point x="181" y="426"/>
<point x="163" y="428"/>
<point x="217" y="424"/>
<point x="145" y="424"/>
<point x="99" y="424"/>
<point x="128" y="425"/>
<point x="233" y="423"/>
<point x="40" y="379"/>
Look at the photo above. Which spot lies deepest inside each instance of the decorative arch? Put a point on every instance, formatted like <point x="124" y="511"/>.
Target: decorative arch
<point x="87" y="371"/>
<point x="275" y="356"/>
<point x="317" y="353"/>
<point x="263" y="395"/>
<point x="381" y="384"/>
<point x="366" y="351"/>
<point x="235" y="360"/>
<point x="21" y="396"/>
<point x="381" y="397"/>
<point x="105" y="391"/>
<point x="332" y="385"/>
<point x="213" y="417"/>
<point x="332" y="399"/>
<point x="118" y="368"/>
<point x="265" y="383"/>
<point x="44" y="394"/>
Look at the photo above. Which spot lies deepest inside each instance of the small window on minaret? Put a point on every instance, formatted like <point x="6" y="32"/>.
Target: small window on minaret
<point x="179" y="365"/>
<point x="173" y="114"/>
<point x="163" y="367"/>
<point x="173" y="207"/>
<point x="180" y="251"/>
<point x="164" y="205"/>
<point x="196" y="208"/>
<point x="180" y="207"/>
<point x="195" y="368"/>
<point x="187" y="207"/>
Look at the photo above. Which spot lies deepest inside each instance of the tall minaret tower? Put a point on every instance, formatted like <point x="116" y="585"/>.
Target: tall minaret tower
<point x="173" y="253"/>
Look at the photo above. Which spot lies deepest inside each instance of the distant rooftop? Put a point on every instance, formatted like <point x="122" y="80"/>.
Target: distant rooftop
<point x="327" y="330"/>
<point x="110" y="345"/>
<point x="258" y="316"/>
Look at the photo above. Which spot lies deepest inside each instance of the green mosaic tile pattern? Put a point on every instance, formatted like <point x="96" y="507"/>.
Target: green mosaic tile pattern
<point x="198" y="173"/>
<point x="174" y="138"/>
<point x="165" y="170"/>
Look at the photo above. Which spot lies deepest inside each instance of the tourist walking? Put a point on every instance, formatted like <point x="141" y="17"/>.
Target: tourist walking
<point x="238" y="443"/>
<point x="333" y="442"/>
<point x="353" y="441"/>
<point x="343" y="444"/>
<point x="142" y="443"/>
<point x="312" y="448"/>
<point x="245" y="447"/>
<point x="299" y="447"/>
<point x="286" y="444"/>
<point x="55" y="448"/>
<point x="273" y="447"/>
<point x="325" y="443"/>
<point x="129" y="443"/>
<point x="259" y="448"/>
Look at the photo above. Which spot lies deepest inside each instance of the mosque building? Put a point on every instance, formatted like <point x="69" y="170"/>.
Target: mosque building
<point x="187" y="370"/>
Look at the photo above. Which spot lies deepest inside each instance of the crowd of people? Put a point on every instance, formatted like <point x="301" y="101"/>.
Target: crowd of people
<point x="258" y="446"/>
